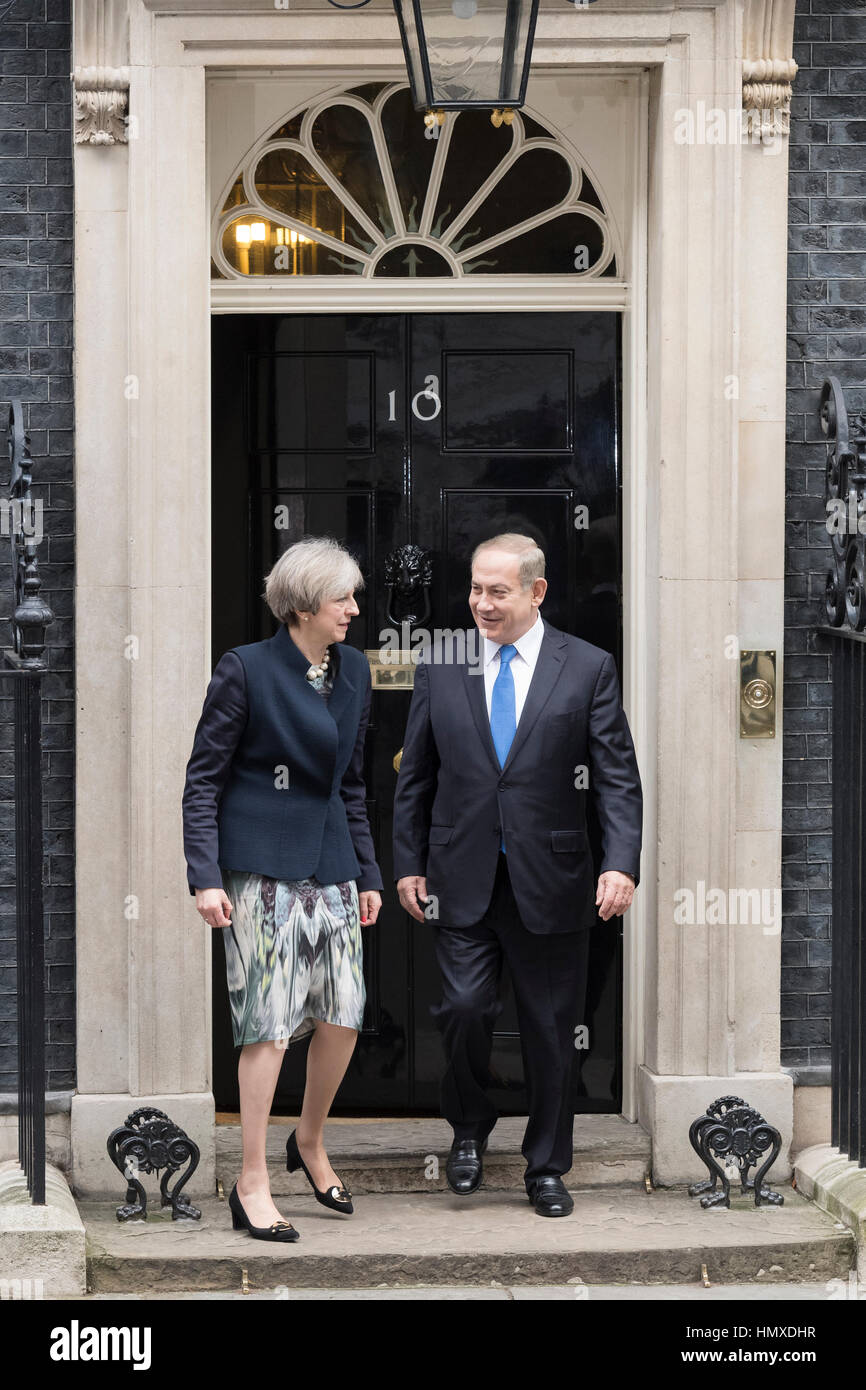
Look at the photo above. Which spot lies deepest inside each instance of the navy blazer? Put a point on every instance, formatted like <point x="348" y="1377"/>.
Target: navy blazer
<point x="275" y="781"/>
<point x="453" y="796"/>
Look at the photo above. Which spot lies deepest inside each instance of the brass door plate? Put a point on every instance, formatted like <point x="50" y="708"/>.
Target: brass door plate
<point x="757" y="694"/>
<point x="397" y="673"/>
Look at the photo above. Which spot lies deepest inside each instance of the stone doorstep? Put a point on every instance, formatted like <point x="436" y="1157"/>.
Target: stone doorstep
<point x="628" y="1237"/>
<point x="409" y="1155"/>
<point x="43" y="1246"/>
<point x="838" y="1186"/>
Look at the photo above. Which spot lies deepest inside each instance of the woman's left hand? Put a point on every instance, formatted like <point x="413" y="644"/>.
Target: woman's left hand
<point x="369" y="902"/>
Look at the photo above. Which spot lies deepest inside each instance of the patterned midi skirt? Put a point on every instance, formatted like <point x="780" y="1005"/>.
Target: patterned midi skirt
<point x="294" y="956"/>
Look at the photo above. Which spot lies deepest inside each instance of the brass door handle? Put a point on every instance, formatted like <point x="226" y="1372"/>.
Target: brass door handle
<point x="397" y="759"/>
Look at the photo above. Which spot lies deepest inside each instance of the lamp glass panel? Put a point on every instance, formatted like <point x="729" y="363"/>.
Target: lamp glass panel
<point x="475" y="48"/>
<point x="412" y="50"/>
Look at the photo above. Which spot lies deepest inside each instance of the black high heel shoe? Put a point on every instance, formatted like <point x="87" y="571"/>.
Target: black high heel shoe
<point x="337" y="1198"/>
<point x="278" y="1230"/>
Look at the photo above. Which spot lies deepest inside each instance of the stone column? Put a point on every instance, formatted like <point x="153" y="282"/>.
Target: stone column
<point x="713" y="1015"/>
<point x="142" y="629"/>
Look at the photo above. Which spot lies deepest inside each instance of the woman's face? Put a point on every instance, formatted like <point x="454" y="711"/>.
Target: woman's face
<point x="331" y="623"/>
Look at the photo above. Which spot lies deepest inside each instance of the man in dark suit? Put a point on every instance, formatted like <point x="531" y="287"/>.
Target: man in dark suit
<point x="499" y="757"/>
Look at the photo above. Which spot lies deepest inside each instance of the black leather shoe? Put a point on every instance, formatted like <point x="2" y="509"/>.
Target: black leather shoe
<point x="463" y="1168"/>
<point x="336" y="1198"/>
<point x="549" y="1197"/>
<point x="278" y="1230"/>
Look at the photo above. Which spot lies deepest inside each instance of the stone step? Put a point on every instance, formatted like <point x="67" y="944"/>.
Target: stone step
<point x="490" y="1239"/>
<point x="385" y="1155"/>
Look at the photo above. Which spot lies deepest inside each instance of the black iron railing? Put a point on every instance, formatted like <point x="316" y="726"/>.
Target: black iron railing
<point x="845" y="621"/>
<point x="24" y="664"/>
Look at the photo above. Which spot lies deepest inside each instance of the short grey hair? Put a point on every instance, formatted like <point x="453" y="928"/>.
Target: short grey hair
<point x="308" y="574"/>
<point x="531" y="565"/>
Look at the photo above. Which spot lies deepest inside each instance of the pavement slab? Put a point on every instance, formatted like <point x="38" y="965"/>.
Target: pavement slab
<point x="831" y="1290"/>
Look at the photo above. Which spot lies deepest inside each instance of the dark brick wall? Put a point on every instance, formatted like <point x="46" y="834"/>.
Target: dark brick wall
<point x="827" y="335"/>
<point x="36" y="365"/>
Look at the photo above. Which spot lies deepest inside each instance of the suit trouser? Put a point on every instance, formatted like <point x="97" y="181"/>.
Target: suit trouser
<point x="548" y="974"/>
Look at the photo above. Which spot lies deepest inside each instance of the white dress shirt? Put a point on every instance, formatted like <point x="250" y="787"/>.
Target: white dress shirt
<point x="522" y="665"/>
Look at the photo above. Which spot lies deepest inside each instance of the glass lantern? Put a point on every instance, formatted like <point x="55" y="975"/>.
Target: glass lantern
<point x="463" y="54"/>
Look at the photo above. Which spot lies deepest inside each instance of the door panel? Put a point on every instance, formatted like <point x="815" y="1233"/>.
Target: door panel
<point x="525" y="435"/>
<point x="526" y="395"/>
<point x="440" y="430"/>
<point x="312" y="402"/>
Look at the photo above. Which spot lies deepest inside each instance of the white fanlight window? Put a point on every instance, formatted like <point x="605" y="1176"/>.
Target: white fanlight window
<point x="356" y="184"/>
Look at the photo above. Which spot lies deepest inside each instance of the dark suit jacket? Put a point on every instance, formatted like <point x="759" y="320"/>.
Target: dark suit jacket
<point x="452" y="796"/>
<point x="261" y="714"/>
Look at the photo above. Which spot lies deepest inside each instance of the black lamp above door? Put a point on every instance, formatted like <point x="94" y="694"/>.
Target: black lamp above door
<point x="467" y="54"/>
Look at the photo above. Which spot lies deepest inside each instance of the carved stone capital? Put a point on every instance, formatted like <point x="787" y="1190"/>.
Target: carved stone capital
<point x="768" y="67"/>
<point x="100" y="74"/>
<point x="101" y="105"/>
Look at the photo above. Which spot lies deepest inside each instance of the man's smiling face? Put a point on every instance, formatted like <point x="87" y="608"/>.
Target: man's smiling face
<point x="502" y="610"/>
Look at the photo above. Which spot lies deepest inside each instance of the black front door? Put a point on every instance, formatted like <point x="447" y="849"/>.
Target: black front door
<point x="437" y="430"/>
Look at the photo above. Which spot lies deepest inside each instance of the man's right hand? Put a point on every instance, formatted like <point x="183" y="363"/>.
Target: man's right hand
<point x="213" y="905"/>
<point x="409" y="890"/>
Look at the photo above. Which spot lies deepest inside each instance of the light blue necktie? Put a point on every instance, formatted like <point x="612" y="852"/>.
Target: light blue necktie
<point x="503" y="715"/>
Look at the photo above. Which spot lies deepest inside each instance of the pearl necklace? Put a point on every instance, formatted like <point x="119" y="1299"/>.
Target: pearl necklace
<point x="316" y="671"/>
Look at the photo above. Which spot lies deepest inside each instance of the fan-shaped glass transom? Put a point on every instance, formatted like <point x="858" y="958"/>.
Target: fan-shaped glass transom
<point x="356" y="184"/>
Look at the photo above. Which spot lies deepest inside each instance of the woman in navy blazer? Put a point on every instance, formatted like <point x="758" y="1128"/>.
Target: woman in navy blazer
<point x="280" y="856"/>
